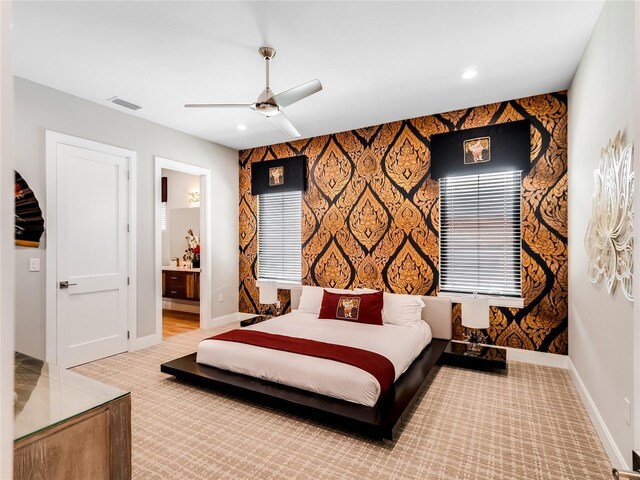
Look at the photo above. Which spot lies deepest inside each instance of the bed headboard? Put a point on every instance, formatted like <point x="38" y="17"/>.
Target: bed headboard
<point x="437" y="313"/>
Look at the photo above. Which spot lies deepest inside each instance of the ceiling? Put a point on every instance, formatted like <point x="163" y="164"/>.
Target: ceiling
<point x="378" y="61"/>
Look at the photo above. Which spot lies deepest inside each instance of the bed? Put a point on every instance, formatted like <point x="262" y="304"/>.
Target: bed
<point x="334" y="393"/>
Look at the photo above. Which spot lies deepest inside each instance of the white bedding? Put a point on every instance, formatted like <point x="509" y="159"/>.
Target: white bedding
<point x="400" y="344"/>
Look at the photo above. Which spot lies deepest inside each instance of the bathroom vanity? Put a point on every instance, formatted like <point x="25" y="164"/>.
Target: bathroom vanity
<point x="181" y="283"/>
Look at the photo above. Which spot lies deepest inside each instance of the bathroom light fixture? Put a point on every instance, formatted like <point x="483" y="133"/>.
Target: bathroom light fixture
<point x="469" y="73"/>
<point x="194" y="199"/>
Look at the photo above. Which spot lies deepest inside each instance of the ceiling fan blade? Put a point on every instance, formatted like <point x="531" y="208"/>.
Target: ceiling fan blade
<point x="296" y="94"/>
<point x="283" y="123"/>
<point x="219" y="105"/>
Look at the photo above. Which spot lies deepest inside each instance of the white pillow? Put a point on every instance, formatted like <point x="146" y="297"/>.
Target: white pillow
<point x="366" y="290"/>
<point x="402" y="309"/>
<point x="311" y="299"/>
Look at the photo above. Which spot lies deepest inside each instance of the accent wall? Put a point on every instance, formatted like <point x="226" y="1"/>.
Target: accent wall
<point x="370" y="215"/>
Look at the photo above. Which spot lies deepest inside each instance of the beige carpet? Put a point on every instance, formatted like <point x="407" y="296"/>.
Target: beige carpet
<point x="468" y="425"/>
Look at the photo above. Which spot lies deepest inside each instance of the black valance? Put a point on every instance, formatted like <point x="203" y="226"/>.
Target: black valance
<point x="280" y="175"/>
<point x="495" y="148"/>
<point x="165" y="190"/>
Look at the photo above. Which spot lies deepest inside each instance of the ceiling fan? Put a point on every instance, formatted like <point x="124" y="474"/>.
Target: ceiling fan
<point x="269" y="104"/>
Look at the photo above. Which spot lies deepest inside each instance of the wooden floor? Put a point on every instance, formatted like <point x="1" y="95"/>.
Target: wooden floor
<point x="174" y="322"/>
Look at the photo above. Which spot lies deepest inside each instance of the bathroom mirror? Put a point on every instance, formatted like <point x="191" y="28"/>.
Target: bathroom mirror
<point x="180" y="221"/>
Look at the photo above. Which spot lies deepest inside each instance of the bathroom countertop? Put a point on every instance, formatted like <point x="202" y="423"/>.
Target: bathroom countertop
<point x="169" y="268"/>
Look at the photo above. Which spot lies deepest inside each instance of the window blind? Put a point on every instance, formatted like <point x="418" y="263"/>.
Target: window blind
<point x="163" y="216"/>
<point x="480" y="234"/>
<point x="280" y="236"/>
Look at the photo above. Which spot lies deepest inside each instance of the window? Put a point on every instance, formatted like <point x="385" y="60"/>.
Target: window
<point x="163" y="216"/>
<point x="164" y="197"/>
<point x="480" y="238"/>
<point x="280" y="236"/>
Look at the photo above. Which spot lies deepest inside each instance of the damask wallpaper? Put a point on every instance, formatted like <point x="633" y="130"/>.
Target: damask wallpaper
<point x="370" y="215"/>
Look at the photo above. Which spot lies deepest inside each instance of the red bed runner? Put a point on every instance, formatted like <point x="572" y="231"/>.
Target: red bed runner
<point x="377" y="365"/>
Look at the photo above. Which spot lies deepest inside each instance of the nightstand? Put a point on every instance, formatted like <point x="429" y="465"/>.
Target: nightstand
<point x="489" y="358"/>
<point x="254" y="320"/>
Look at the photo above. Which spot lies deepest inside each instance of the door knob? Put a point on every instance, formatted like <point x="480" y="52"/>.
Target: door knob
<point x="66" y="284"/>
<point x="617" y="475"/>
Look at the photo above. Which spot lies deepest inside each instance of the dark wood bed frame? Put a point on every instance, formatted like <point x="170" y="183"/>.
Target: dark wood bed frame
<point x="381" y="421"/>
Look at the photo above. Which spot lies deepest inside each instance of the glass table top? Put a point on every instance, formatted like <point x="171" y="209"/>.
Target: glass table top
<point x="485" y="352"/>
<point x="46" y="395"/>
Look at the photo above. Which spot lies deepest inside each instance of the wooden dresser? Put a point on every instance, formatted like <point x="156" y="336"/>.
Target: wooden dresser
<point x="181" y="284"/>
<point x="68" y="426"/>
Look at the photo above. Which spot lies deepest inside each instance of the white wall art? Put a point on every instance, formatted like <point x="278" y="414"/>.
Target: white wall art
<point x="609" y="238"/>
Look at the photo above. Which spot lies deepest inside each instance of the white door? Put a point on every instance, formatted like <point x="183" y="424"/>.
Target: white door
<point x="92" y="230"/>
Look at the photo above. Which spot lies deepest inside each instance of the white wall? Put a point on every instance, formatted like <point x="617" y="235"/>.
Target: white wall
<point x="6" y="245"/>
<point x="179" y="185"/>
<point x="601" y="102"/>
<point x="39" y="108"/>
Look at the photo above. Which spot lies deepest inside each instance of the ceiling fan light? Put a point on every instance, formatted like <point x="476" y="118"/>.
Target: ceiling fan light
<point x="267" y="109"/>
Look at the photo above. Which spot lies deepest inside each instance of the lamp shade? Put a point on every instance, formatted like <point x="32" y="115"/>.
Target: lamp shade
<point x="475" y="312"/>
<point x="268" y="292"/>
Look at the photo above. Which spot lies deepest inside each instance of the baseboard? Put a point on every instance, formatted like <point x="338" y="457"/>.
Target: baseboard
<point x="145" y="342"/>
<point x="615" y="456"/>
<point x="230" y="318"/>
<point x="537" y="358"/>
<point x="181" y="306"/>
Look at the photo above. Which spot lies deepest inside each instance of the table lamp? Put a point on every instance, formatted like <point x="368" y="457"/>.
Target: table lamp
<point x="475" y="315"/>
<point x="268" y="295"/>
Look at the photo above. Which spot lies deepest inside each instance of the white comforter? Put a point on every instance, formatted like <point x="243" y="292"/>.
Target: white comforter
<point x="400" y="344"/>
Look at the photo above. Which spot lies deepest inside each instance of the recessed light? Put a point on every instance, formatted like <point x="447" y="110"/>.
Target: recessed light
<point x="241" y="127"/>
<point x="469" y="73"/>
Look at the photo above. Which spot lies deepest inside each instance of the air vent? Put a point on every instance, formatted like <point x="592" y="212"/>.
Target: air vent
<point x="124" y="103"/>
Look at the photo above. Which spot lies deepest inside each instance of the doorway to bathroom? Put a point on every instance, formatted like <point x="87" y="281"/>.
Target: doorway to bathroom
<point x="181" y="247"/>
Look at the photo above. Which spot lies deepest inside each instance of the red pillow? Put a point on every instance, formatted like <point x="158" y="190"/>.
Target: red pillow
<point x="356" y="307"/>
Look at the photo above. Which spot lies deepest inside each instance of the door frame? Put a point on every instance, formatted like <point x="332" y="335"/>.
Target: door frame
<point x="635" y="138"/>
<point x="7" y="245"/>
<point x="51" y="222"/>
<point x="205" y="237"/>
